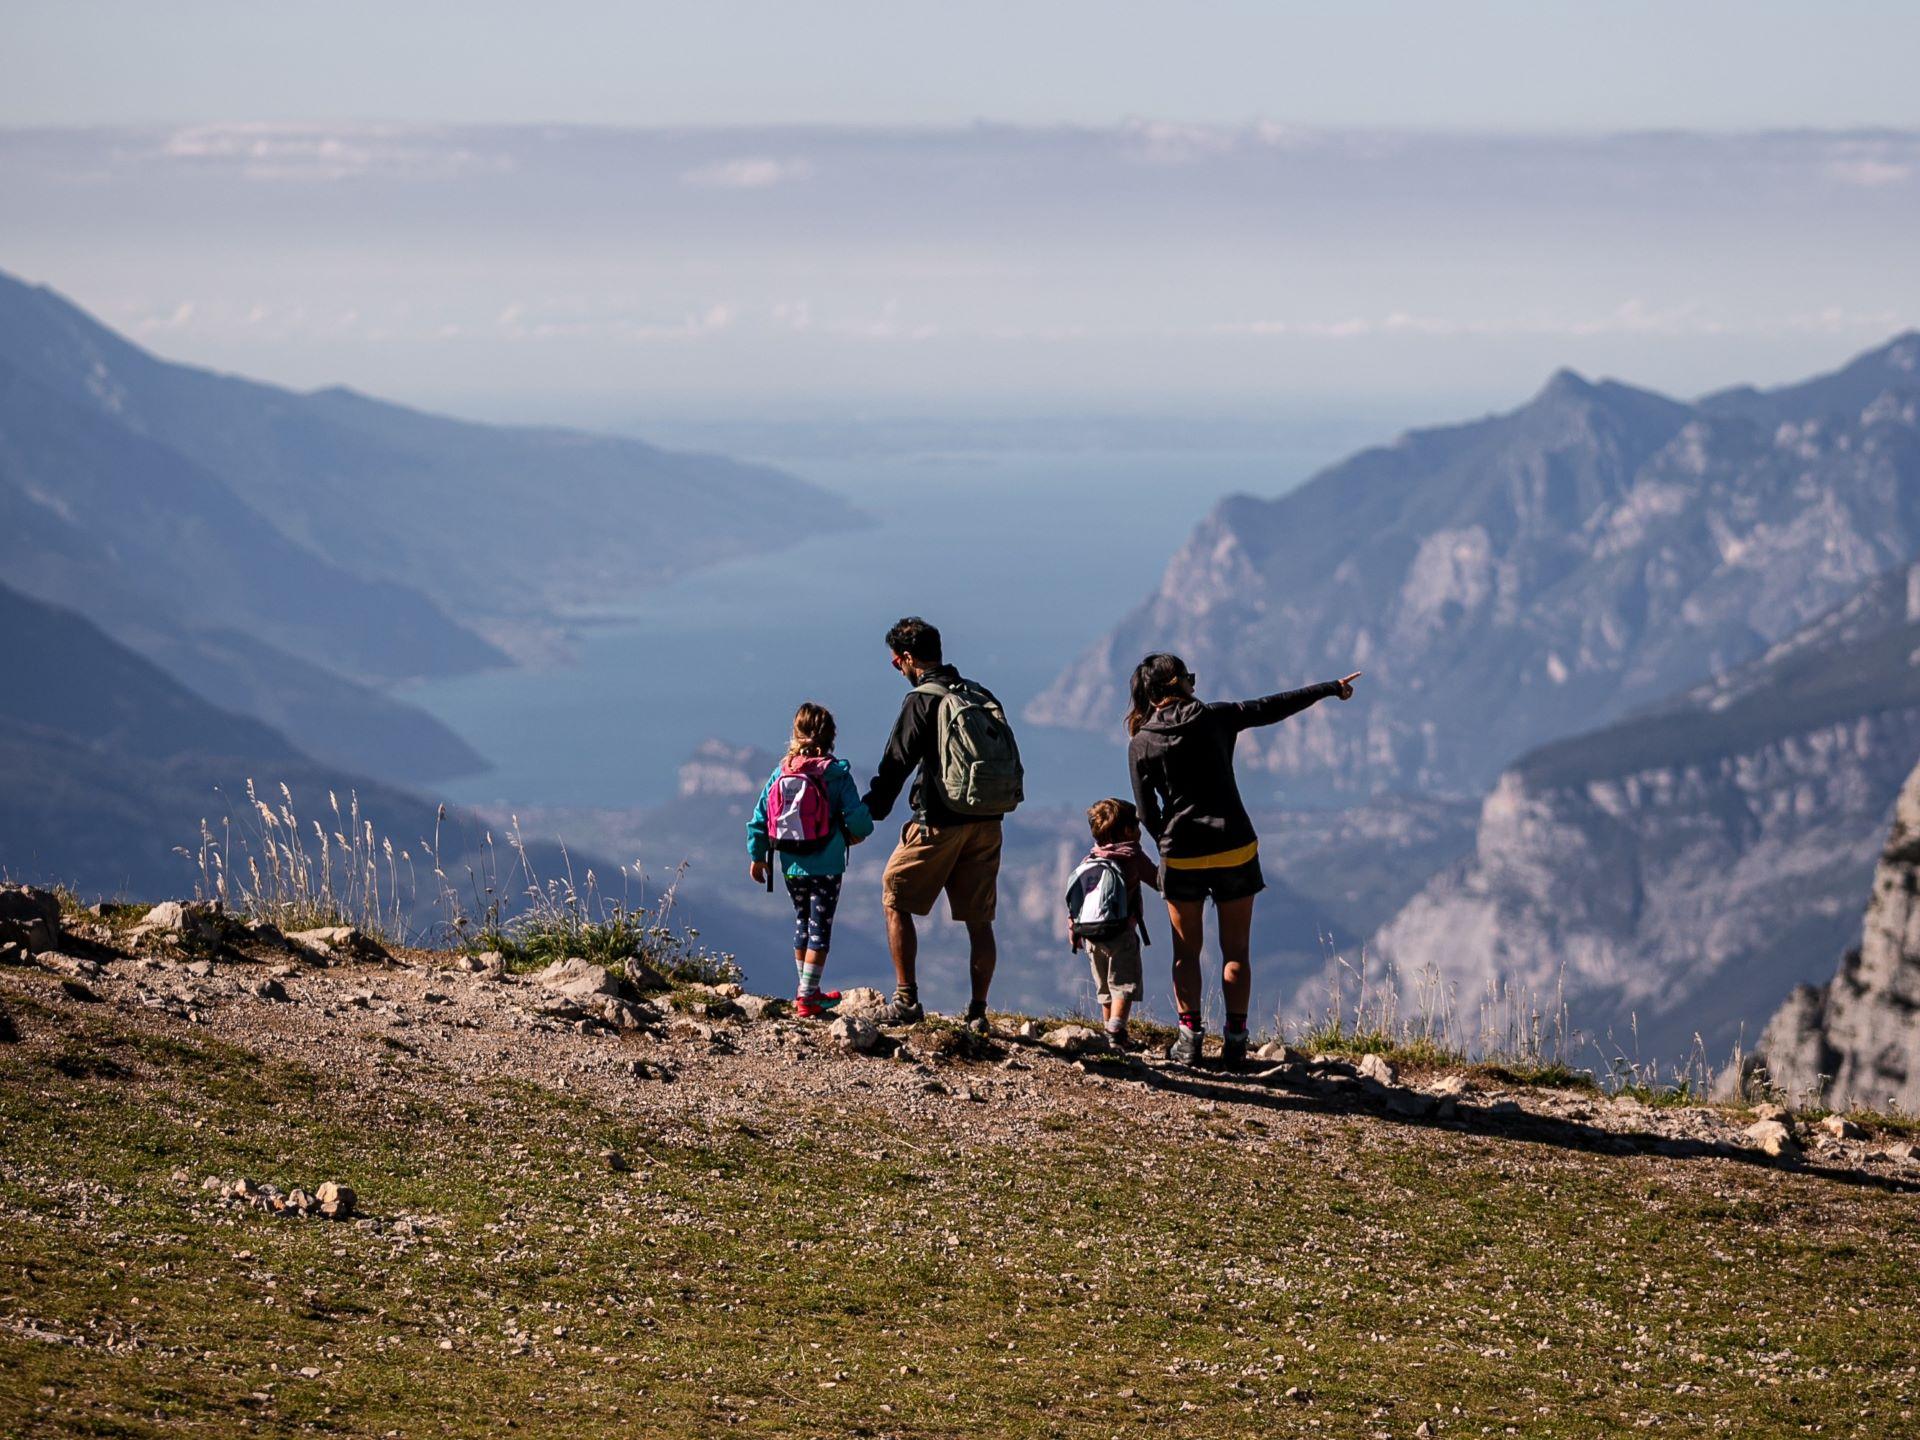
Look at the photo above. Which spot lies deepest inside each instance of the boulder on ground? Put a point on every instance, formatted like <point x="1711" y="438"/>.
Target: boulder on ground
<point x="1773" y="1138"/>
<point x="29" y="918"/>
<point x="764" y="1007"/>
<point x="1378" y="1067"/>
<point x="578" y="979"/>
<point x="348" y="940"/>
<point x="625" y="1015"/>
<point x="1074" y="1039"/>
<point x="335" y="1201"/>
<point x="1274" y="1053"/>
<point x="855" y="1034"/>
<point x="1841" y="1128"/>
<point x="78" y="966"/>
<point x="861" y="1000"/>
<point x="488" y="964"/>
<point x="201" y="920"/>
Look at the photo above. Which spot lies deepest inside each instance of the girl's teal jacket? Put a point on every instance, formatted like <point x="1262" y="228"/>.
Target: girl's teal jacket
<point x="851" y="822"/>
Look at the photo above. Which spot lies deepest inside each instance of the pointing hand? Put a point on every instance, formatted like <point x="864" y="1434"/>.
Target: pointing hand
<point x="1346" y="684"/>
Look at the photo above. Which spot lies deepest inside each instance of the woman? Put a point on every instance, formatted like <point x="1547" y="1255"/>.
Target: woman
<point x="1181" y="756"/>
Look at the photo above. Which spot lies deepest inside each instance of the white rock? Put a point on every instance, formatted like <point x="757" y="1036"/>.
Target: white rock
<point x="577" y="979"/>
<point x="1773" y="1138"/>
<point x="1074" y="1039"/>
<point x="853" y="1033"/>
<point x="861" y="1000"/>
<point x="1378" y="1067"/>
<point x="1841" y="1128"/>
<point x="336" y="1201"/>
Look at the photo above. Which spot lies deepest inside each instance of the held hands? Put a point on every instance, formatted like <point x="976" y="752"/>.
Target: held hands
<point x="1346" y="684"/>
<point x="758" y="870"/>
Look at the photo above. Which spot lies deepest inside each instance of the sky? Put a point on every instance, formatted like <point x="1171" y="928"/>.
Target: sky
<point x="619" y="213"/>
<point x="1524" y="64"/>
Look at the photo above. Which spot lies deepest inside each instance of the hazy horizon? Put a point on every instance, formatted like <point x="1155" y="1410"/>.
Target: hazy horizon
<point x="620" y="276"/>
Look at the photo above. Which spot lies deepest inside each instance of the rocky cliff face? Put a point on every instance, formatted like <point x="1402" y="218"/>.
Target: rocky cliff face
<point x="1524" y="577"/>
<point x="1673" y="874"/>
<point x="1855" y="1041"/>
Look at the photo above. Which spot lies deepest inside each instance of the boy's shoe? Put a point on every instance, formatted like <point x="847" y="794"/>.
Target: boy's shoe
<point x="977" y="1018"/>
<point x="900" y="1012"/>
<point x="1121" y="1043"/>
<point x="1185" y="1049"/>
<point x="1233" y="1051"/>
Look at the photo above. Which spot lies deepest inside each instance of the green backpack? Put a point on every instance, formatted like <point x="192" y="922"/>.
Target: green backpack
<point x="978" y="762"/>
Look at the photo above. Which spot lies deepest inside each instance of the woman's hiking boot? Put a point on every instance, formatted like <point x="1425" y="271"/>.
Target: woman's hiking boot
<point x="1233" y="1051"/>
<point x="1186" y="1046"/>
<point x="977" y="1018"/>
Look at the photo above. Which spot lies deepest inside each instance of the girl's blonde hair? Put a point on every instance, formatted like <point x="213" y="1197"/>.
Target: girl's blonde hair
<point x="813" y="731"/>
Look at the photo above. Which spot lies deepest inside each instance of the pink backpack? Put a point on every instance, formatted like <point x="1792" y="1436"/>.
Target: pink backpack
<point x="799" y="812"/>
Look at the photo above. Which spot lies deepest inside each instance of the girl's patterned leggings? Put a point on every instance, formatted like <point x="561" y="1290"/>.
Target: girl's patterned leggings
<point x="815" y="897"/>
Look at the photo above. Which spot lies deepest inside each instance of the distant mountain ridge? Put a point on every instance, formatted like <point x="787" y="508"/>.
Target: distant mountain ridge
<point x="1522" y="577"/>
<point x="285" y="553"/>
<point x="1678" y="872"/>
<point x="490" y="520"/>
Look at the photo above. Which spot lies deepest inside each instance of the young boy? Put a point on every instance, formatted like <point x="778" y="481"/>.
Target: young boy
<point x="1103" y="911"/>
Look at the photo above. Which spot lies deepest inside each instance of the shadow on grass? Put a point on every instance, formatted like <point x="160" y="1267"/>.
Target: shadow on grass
<point x="1301" y="1094"/>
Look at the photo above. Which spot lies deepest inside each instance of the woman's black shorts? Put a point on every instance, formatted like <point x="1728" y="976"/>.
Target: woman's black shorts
<point x="1229" y="882"/>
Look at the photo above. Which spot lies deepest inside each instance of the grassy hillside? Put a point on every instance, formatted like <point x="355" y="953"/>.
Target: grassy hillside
<point x="788" y="1240"/>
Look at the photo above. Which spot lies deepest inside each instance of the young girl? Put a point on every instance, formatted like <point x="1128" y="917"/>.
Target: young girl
<point x="809" y="811"/>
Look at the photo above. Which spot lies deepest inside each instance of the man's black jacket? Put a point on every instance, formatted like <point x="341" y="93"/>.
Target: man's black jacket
<point x="914" y="745"/>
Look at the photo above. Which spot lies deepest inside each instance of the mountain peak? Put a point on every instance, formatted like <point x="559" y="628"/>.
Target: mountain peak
<point x="1566" y="384"/>
<point x="1901" y="354"/>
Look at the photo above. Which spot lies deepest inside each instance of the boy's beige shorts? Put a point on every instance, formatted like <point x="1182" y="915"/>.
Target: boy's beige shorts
<point x="1116" y="966"/>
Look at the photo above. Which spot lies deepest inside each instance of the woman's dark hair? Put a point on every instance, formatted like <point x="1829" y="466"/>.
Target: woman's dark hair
<point x="1154" y="679"/>
<point x="916" y="639"/>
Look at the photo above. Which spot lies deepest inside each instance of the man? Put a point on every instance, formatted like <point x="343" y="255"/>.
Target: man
<point x="941" y="848"/>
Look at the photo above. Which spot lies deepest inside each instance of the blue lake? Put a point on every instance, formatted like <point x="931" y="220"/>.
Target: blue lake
<point x="1022" y="560"/>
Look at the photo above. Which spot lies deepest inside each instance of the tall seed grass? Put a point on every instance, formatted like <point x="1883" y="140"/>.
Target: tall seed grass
<point x="1372" y="1007"/>
<point x="268" y="865"/>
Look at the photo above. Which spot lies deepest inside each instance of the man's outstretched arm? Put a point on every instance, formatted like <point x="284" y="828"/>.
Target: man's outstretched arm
<point x="899" y="760"/>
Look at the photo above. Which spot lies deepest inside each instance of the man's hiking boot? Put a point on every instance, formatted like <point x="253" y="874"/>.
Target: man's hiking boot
<point x="977" y="1018"/>
<point x="1233" y="1051"/>
<point x="899" y="1011"/>
<point x="1185" y="1049"/>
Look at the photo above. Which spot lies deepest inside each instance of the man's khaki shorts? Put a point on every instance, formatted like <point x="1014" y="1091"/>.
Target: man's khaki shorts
<point x="963" y="860"/>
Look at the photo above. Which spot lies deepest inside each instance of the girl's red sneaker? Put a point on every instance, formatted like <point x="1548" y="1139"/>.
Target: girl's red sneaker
<point x="812" y="1007"/>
